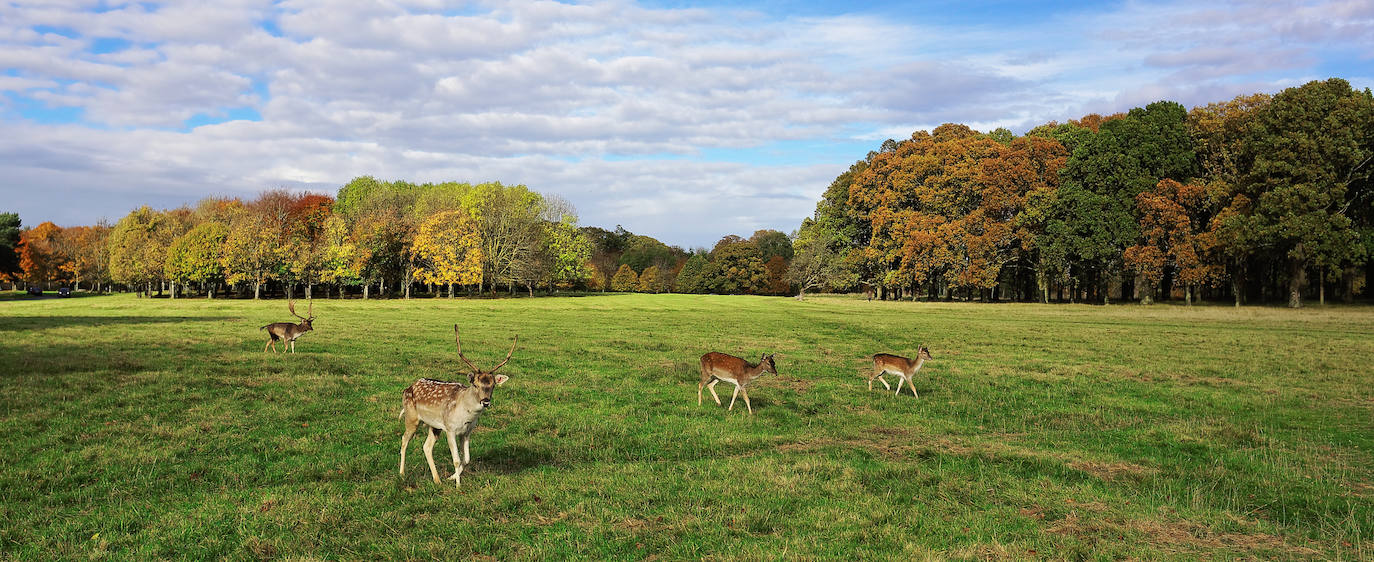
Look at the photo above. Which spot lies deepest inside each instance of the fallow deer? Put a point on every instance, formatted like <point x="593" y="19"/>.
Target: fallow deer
<point x="902" y="367"/>
<point x="716" y="367"/>
<point x="288" y="332"/>
<point x="449" y="407"/>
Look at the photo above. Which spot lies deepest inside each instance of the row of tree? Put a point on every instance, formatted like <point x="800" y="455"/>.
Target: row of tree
<point x="381" y="235"/>
<point x="1246" y="199"/>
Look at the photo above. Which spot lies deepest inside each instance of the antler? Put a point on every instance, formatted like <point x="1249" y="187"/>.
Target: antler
<point x="512" y="350"/>
<point x="459" y="342"/>
<point x="291" y="305"/>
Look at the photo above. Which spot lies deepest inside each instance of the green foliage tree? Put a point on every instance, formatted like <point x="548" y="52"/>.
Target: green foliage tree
<point x="1306" y="149"/>
<point x="735" y="268"/>
<point x="196" y="257"/>
<point x="772" y="243"/>
<point x="10" y="226"/>
<point x="691" y="278"/>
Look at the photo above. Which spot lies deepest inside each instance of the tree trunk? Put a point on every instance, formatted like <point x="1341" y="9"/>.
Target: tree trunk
<point x="257" y="290"/>
<point x="1348" y="285"/>
<point x="1321" y="287"/>
<point x="309" y="291"/>
<point x="366" y="288"/>
<point x="1188" y="294"/>
<point x="1296" y="275"/>
<point x="450" y="290"/>
<point x="210" y="291"/>
<point x="1147" y="293"/>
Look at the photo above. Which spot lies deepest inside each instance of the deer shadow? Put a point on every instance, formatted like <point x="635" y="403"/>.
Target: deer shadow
<point x="35" y="323"/>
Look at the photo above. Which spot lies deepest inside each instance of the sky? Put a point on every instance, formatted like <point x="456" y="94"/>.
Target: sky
<point x="685" y="121"/>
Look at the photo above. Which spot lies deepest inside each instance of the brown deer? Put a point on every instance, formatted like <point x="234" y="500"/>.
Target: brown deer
<point x="716" y="367"/>
<point x="288" y="332"/>
<point x="902" y="367"/>
<point x="449" y="407"/>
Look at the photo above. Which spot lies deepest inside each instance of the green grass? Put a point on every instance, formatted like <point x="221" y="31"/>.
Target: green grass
<point x="138" y="428"/>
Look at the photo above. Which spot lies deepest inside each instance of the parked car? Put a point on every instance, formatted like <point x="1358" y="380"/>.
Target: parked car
<point x="36" y="291"/>
<point x="64" y="292"/>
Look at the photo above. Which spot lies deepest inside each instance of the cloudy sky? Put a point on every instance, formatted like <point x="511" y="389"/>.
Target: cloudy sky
<point x="682" y="120"/>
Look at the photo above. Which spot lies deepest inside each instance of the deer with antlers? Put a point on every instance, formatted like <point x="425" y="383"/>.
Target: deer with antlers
<point x="716" y="367"/>
<point x="886" y="363"/>
<point x="450" y="407"/>
<point x="288" y="332"/>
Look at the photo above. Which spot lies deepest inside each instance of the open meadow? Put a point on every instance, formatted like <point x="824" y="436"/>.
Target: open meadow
<point x="138" y="428"/>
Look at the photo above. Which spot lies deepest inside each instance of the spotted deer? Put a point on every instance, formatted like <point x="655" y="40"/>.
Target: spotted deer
<point x="288" y="332"/>
<point x="449" y="407"/>
<point x="885" y="363"/>
<point x="716" y="367"/>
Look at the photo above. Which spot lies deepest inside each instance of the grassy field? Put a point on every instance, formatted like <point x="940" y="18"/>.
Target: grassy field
<point x="158" y="429"/>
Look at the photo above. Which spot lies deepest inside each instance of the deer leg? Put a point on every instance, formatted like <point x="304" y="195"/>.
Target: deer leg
<point x="745" y="391"/>
<point x="900" y="380"/>
<point x="293" y="346"/>
<point x="712" y="387"/>
<point x="405" y="442"/>
<point x="912" y="386"/>
<point x="878" y="374"/>
<point x="733" y="396"/>
<point x="457" y="461"/>
<point x="467" y="458"/>
<point x="429" y="453"/>
<point x="264" y="347"/>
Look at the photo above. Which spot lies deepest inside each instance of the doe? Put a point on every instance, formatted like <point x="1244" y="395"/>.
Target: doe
<point x="716" y="367"/>
<point x="904" y="368"/>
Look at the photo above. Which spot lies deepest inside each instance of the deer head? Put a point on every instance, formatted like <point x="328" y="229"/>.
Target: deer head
<point x="766" y="361"/>
<point x="923" y="352"/>
<point x="485" y="382"/>
<point x="310" y="313"/>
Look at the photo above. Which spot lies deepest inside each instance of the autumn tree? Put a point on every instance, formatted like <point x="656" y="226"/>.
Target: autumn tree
<point x="735" y="268"/>
<point x="138" y="246"/>
<point x="652" y="280"/>
<point x="449" y="248"/>
<point x="39" y="254"/>
<point x="625" y="279"/>
<point x="252" y="250"/>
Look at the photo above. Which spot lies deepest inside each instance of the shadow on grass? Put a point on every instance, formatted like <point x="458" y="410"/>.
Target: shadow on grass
<point x="26" y="323"/>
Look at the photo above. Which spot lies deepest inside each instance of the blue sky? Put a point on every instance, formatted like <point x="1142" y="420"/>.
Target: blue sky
<point x="683" y="120"/>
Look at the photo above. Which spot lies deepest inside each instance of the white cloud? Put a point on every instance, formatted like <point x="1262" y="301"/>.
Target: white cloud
<point x="557" y="96"/>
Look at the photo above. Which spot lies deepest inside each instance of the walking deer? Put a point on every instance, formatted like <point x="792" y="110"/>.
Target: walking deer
<point x="449" y="407"/>
<point x="716" y="367"/>
<point x="904" y="368"/>
<point x="288" y="332"/>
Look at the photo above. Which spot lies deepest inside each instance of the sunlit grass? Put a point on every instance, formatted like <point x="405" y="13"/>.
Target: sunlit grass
<point x="157" y="428"/>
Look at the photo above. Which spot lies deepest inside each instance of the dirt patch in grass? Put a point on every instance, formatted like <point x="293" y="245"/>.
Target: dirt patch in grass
<point x="1177" y="537"/>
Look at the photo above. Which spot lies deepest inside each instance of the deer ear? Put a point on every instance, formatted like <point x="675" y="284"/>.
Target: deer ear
<point x="501" y="379"/>
<point x="472" y="378"/>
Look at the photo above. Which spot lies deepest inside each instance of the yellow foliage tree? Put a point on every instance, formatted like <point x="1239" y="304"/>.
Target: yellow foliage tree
<point x="625" y="280"/>
<point x="449" y="250"/>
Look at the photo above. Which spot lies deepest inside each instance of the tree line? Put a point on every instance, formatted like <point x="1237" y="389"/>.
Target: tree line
<point x="1251" y="199"/>
<point x="379" y="238"/>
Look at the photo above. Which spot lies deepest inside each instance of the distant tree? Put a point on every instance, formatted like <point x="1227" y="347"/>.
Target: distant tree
<point x="651" y="280"/>
<point x="449" y="248"/>
<point x="197" y="256"/>
<point x="735" y="268"/>
<point x="625" y="279"/>
<point x="509" y="220"/>
<point x="772" y="243"/>
<point x="819" y="261"/>
<point x="39" y="254"/>
<point x="9" y="244"/>
<point x="690" y="279"/>
<point x="87" y="251"/>
<point x="138" y="248"/>
<point x="1173" y="225"/>
<point x="252" y="250"/>
<point x="1306" y="149"/>
<point x="777" y="272"/>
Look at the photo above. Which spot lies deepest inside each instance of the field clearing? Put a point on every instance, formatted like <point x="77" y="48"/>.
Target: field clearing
<point x="159" y="429"/>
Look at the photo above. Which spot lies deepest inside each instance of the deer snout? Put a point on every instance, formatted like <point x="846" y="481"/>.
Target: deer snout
<point x="486" y="403"/>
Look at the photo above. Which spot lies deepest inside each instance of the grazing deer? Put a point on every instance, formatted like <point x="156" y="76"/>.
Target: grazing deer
<point x="716" y="367"/>
<point x="902" y="367"/>
<point x="450" y="407"/>
<point x="288" y="332"/>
